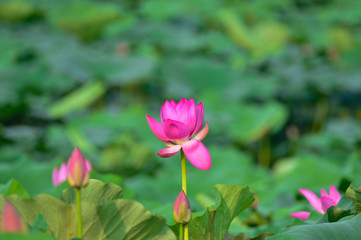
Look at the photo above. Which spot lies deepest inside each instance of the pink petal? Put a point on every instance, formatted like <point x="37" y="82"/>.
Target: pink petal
<point x="175" y="129"/>
<point x="187" y="115"/>
<point x="327" y="202"/>
<point x="197" y="154"/>
<point x="168" y="152"/>
<point x="324" y="193"/>
<point x="88" y="165"/>
<point x="156" y="128"/>
<point x="301" y="215"/>
<point x="313" y="199"/>
<point x="173" y="103"/>
<point x="203" y="133"/>
<point x="78" y="174"/>
<point x="334" y="194"/>
<point x="55" y="177"/>
<point x="11" y="221"/>
<point x="63" y="173"/>
<point x="200" y="118"/>
<point x="168" y="111"/>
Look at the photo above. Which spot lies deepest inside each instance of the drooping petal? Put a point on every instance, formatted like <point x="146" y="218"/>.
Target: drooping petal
<point x="168" y="152"/>
<point x="301" y="215"/>
<point x="203" y="133"/>
<point x="334" y="194"/>
<point x="200" y="118"/>
<point x="313" y="199"/>
<point x="327" y="202"/>
<point x="197" y="154"/>
<point x="175" y="129"/>
<point x="187" y="115"/>
<point x="168" y="111"/>
<point x="156" y="128"/>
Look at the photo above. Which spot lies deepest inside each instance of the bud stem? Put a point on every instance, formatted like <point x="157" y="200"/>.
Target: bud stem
<point x="184" y="227"/>
<point x="80" y="226"/>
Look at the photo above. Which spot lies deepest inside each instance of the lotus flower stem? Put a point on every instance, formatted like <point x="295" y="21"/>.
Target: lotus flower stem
<point x="184" y="172"/>
<point x="181" y="231"/>
<point x="184" y="188"/>
<point x="80" y="226"/>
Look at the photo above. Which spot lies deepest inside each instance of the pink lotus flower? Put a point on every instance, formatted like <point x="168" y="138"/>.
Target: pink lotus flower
<point x="179" y="123"/>
<point x="182" y="209"/>
<point x="59" y="176"/>
<point x="78" y="171"/>
<point x="11" y="221"/>
<point x="320" y="204"/>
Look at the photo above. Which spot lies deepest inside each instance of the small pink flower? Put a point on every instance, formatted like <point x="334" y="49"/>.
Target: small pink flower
<point x="59" y="176"/>
<point x="11" y="221"/>
<point x="319" y="204"/>
<point x="179" y="123"/>
<point x="182" y="212"/>
<point x="78" y="169"/>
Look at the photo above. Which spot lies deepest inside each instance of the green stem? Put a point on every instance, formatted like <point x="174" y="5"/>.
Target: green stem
<point x="184" y="187"/>
<point x="181" y="232"/>
<point x="184" y="172"/>
<point x="80" y="226"/>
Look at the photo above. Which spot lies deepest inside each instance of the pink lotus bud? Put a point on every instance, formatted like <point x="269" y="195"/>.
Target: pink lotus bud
<point x="11" y="221"/>
<point x="59" y="176"/>
<point x="78" y="169"/>
<point x="182" y="209"/>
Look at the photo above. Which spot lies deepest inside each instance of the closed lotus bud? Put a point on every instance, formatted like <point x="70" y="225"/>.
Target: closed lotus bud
<point x="78" y="170"/>
<point x="182" y="212"/>
<point x="11" y="221"/>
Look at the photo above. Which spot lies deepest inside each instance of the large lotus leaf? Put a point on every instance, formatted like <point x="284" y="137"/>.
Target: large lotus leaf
<point x="290" y="173"/>
<point x="35" y="177"/>
<point x="117" y="219"/>
<point x="78" y="99"/>
<point x="15" y="10"/>
<point x="252" y="122"/>
<point x="32" y="236"/>
<point x="95" y="192"/>
<point x="85" y="19"/>
<point x="14" y="187"/>
<point x="347" y="229"/>
<point x="214" y="223"/>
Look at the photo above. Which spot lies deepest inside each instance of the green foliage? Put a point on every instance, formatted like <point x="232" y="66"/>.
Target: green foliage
<point x="347" y="229"/>
<point x="214" y="223"/>
<point x="105" y="216"/>
<point x="280" y="82"/>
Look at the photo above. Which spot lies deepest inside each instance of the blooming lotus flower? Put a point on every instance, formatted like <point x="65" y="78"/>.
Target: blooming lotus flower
<point x="319" y="204"/>
<point x="11" y="221"/>
<point x="78" y="169"/>
<point x="182" y="209"/>
<point x="179" y="123"/>
<point x="59" y="176"/>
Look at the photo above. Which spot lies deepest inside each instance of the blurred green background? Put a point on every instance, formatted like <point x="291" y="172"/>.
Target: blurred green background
<point x="280" y="81"/>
